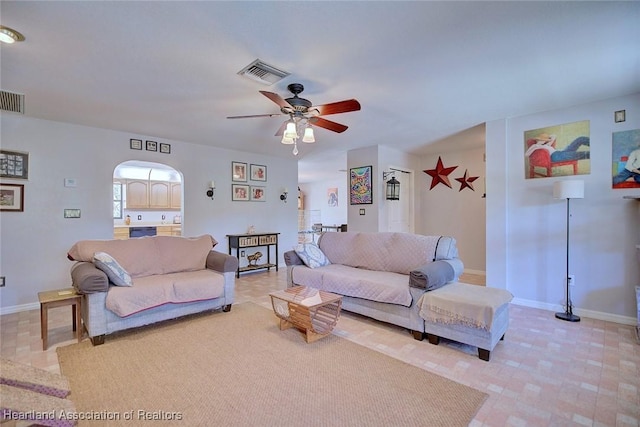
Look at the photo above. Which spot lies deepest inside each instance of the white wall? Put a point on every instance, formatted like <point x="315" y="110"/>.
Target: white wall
<point x="526" y="232"/>
<point x="451" y="212"/>
<point x="34" y="243"/>
<point x="315" y="199"/>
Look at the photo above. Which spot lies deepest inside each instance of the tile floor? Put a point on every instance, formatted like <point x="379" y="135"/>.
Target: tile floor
<point x="545" y="373"/>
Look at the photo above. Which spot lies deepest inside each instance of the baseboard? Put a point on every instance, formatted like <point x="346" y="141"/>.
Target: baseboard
<point x="598" y="315"/>
<point x="477" y="272"/>
<point x="18" y="308"/>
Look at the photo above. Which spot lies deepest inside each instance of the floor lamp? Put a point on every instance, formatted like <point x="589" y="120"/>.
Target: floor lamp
<point x="569" y="189"/>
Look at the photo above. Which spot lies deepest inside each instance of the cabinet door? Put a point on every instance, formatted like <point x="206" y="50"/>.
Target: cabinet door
<point x="159" y="195"/>
<point x="121" y="233"/>
<point x="164" y="230"/>
<point x="176" y="195"/>
<point x="137" y="194"/>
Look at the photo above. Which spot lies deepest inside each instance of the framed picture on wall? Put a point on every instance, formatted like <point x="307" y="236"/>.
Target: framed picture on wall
<point x="258" y="173"/>
<point x="239" y="192"/>
<point x="14" y="164"/>
<point x="360" y="190"/>
<point x="238" y="172"/>
<point x="152" y="146"/>
<point x="258" y="193"/>
<point x="12" y="197"/>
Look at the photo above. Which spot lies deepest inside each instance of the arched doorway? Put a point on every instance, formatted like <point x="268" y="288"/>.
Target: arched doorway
<point x="147" y="200"/>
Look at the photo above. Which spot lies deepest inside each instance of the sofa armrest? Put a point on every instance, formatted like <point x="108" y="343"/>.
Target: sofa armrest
<point x="87" y="279"/>
<point x="221" y="262"/>
<point x="292" y="258"/>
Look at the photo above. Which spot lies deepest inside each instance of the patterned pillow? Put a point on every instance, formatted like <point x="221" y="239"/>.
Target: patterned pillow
<point x="311" y="255"/>
<point x="116" y="274"/>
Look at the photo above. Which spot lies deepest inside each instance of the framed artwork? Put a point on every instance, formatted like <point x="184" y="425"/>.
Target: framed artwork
<point x="238" y="172"/>
<point x="626" y="158"/>
<point x="258" y="173"/>
<point x="12" y="197"/>
<point x="258" y="193"/>
<point x="560" y="150"/>
<point x="620" y="116"/>
<point x="152" y="146"/>
<point x="165" y="148"/>
<point x="14" y="164"/>
<point x="240" y="192"/>
<point x="332" y="197"/>
<point x="135" y="144"/>
<point x="360" y="190"/>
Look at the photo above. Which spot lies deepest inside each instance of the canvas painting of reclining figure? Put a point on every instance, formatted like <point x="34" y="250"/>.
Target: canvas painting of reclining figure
<point x="626" y="159"/>
<point x="558" y="150"/>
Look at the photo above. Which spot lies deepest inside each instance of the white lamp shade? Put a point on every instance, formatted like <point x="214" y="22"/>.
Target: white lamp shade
<point x="308" y="135"/>
<point x="286" y="140"/>
<point x="569" y="189"/>
<point x="291" y="131"/>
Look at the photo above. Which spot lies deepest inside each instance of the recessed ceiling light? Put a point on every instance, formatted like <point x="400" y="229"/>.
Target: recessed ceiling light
<point x="8" y="35"/>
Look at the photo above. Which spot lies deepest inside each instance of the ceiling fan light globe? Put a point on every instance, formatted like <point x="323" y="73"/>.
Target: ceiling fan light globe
<point x="291" y="131"/>
<point x="308" y="135"/>
<point x="286" y="140"/>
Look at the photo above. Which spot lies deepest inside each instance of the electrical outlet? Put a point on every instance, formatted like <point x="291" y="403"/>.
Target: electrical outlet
<point x="2" y="281"/>
<point x="242" y="253"/>
<point x="572" y="280"/>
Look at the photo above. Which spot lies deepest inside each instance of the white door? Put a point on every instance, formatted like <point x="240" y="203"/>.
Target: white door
<point x="400" y="212"/>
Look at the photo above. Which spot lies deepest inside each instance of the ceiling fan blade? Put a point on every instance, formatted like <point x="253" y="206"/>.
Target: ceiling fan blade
<point x="328" y="124"/>
<point x="253" y="115"/>
<point x="338" y="107"/>
<point x="277" y="99"/>
<point x="280" y="131"/>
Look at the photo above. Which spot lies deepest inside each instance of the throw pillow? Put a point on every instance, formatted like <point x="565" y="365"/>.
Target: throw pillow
<point x="114" y="271"/>
<point x="311" y="255"/>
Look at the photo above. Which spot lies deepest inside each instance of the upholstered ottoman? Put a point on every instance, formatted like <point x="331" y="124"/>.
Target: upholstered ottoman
<point x="470" y="314"/>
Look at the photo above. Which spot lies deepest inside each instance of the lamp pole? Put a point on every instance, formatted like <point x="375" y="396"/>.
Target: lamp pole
<point x="568" y="313"/>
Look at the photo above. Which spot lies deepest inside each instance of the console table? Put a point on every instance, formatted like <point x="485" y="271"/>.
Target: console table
<point x="243" y="241"/>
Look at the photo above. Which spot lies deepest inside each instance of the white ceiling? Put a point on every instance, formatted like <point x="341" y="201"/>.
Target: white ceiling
<point x="422" y="71"/>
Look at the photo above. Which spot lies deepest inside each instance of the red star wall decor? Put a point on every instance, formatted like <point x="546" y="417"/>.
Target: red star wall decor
<point x="466" y="180"/>
<point x="440" y="174"/>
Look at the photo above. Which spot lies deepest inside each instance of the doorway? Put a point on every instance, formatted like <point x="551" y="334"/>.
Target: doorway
<point x="400" y="217"/>
<point x="147" y="194"/>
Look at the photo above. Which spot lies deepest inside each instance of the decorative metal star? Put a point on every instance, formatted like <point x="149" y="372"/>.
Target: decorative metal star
<point x="466" y="180"/>
<point x="440" y="174"/>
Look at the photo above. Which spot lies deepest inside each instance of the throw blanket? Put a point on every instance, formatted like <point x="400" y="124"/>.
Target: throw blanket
<point x="463" y="304"/>
<point x="432" y="276"/>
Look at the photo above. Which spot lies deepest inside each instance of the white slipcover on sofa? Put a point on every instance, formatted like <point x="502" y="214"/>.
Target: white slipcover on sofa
<point x="160" y="278"/>
<point x="371" y="271"/>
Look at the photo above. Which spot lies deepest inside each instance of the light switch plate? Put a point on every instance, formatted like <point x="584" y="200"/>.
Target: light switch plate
<point x="70" y="182"/>
<point x="72" y="213"/>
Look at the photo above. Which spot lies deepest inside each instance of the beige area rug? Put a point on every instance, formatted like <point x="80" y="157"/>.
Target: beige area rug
<point x="240" y="369"/>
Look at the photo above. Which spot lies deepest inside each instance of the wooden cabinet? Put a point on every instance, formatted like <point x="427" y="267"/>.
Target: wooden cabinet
<point x="242" y="241"/>
<point x="137" y="194"/>
<point x="168" y="230"/>
<point x="121" y="233"/>
<point x="158" y="195"/>
<point x="176" y="195"/>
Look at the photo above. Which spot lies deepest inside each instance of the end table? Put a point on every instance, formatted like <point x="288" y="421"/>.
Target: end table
<point x="59" y="298"/>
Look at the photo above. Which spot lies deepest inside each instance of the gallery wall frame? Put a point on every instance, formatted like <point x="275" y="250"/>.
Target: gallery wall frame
<point x="360" y="189"/>
<point x="165" y="148"/>
<point x="152" y="146"/>
<point x="14" y="164"/>
<point x="258" y="193"/>
<point x="135" y="144"/>
<point x="238" y="172"/>
<point x="11" y="197"/>
<point x="240" y="192"/>
<point x="258" y="173"/>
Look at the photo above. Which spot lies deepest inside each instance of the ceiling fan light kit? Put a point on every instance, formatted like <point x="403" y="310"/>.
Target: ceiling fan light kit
<point x="301" y="113"/>
<point x="9" y="35"/>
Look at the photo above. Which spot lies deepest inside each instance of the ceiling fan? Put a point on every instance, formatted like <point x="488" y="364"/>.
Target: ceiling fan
<point x="303" y="115"/>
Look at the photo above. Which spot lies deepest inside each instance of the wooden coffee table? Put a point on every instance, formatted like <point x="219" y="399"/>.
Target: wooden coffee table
<point x="312" y="311"/>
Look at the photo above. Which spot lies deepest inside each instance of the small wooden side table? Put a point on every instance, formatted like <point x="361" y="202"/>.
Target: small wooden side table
<point x="59" y="298"/>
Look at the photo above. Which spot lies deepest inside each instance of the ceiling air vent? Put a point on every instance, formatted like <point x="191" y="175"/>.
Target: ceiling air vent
<point x="10" y="101"/>
<point x="263" y="73"/>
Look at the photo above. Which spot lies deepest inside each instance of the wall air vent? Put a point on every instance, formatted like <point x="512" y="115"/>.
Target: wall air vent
<point x="11" y="101"/>
<point x="263" y="73"/>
